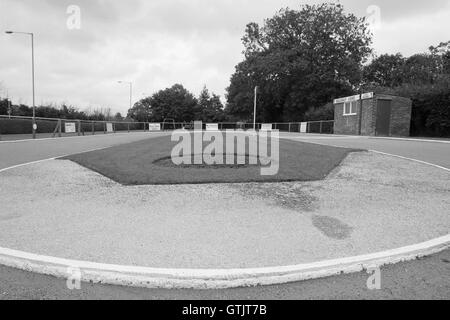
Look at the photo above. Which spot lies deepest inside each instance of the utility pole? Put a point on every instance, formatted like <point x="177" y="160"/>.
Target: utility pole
<point x="254" y="110"/>
<point x="9" y="104"/>
<point x="32" y="76"/>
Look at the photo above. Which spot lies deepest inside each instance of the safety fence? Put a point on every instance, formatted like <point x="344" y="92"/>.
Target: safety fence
<point x="12" y="127"/>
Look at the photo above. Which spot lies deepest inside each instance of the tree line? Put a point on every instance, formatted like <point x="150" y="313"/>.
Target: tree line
<point x="62" y="111"/>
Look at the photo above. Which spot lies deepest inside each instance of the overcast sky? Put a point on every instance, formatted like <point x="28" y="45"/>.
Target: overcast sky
<point x="156" y="43"/>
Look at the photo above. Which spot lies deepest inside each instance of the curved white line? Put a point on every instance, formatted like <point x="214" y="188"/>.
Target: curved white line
<point x="411" y="159"/>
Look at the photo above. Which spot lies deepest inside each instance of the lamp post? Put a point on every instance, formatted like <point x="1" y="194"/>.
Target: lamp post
<point x="32" y="76"/>
<point x="254" y="110"/>
<point x="9" y="104"/>
<point x="131" y="90"/>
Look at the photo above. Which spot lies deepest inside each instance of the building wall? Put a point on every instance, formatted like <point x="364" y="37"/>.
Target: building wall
<point x="401" y="117"/>
<point x="345" y="124"/>
<point x="368" y="119"/>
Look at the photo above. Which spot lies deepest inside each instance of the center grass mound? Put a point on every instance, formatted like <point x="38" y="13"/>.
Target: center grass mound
<point x="139" y="163"/>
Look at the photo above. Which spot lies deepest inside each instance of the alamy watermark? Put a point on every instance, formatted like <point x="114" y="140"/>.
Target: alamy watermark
<point x="73" y="278"/>
<point x="373" y="17"/>
<point x="374" y="280"/>
<point x="230" y="147"/>
<point x="73" y="21"/>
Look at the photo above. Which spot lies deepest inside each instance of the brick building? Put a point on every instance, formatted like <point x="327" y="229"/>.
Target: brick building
<point x="373" y="115"/>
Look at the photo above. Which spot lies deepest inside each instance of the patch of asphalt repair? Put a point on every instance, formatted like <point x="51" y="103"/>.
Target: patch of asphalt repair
<point x="332" y="227"/>
<point x="292" y="196"/>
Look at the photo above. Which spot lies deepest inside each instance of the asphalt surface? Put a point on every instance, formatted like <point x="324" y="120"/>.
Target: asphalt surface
<point x="436" y="152"/>
<point x="428" y="278"/>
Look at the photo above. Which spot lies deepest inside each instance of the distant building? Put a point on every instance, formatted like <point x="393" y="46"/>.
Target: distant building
<point x="373" y="115"/>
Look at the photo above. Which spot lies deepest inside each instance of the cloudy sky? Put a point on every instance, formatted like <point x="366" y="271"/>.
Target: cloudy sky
<point x="156" y="43"/>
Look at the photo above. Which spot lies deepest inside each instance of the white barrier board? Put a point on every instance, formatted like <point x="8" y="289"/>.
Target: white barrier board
<point x="212" y="127"/>
<point x="70" y="127"/>
<point x="304" y="127"/>
<point x="154" y="127"/>
<point x="109" y="127"/>
<point x="266" y="127"/>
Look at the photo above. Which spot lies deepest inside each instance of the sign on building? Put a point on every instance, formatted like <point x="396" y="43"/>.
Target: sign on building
<point x="109" y="127"/>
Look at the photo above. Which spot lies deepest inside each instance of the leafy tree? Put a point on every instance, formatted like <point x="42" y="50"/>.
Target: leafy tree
<point x="3" y="106"/>
<point x="175" y="103"/>
<point x="210" y="108"/>
<point x="385" y="71"/>
<point x="421" y="69"/>
<point x="141" y="111"/>
<point x="442" y="54"/>
<point x="325" y="112"/>
<point x="299" y="59"/>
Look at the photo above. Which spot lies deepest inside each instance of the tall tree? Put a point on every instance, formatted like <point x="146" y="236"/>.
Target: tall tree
<point x="442" y="53"/>
<point x="172" y="103"/>
<point x="210" y="108"/>
<point x="141" y="111"/>
<point x="385" y="71"/>
<point x="299" y="59"/>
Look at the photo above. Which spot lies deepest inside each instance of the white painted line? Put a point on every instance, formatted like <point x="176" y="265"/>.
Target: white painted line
<point x="411" y="139"/>
<point x="52" y="158"/>
<point x="411" y="159"/>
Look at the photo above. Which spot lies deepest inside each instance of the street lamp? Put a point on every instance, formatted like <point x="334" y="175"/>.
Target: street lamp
<point x="32" y="76"/>
<point x="254" y="110"/>
<point x="131" y="89"/>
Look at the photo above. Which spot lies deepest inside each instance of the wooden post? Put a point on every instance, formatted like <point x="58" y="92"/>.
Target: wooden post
<point x="104" y="127"/>
<point x="93" y="128"/>
<point x="59" y="128"/>
<point x="321" y="126"/>
<point x="128" y="125"/>
<point x="79" y="128"/>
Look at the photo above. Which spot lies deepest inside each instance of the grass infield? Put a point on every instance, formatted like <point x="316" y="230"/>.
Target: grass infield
<point x="148" y="162"/>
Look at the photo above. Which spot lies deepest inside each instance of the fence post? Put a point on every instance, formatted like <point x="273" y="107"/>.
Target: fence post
<point x="79" y="128"/>
<point x="289" y="127"/>
<point x="59" y="128"/>
<point x="104" y="127"/>
<point x="93" y="128"/>
<point x="321" y="126"/>
<point x="128" y="127"/>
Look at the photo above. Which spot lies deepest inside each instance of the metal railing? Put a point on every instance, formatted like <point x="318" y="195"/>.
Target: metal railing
<point x="12" y="127"/>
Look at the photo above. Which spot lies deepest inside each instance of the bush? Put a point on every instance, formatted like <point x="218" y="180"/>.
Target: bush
<point x="325" y="112"/>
